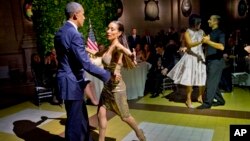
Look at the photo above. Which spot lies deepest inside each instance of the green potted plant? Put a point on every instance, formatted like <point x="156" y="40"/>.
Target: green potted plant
<point x="48" y="17"/>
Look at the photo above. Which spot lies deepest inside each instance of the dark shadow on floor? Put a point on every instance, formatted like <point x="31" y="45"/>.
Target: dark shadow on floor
<point x="28" y="131"/>
<point x="179" y="95"/>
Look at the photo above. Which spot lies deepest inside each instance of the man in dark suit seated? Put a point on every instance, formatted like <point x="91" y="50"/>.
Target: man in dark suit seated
<point x="73" y="61"/>
<point x="163" y="64"/>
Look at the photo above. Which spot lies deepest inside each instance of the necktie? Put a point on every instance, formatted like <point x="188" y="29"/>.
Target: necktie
<point x="148" y="40"/>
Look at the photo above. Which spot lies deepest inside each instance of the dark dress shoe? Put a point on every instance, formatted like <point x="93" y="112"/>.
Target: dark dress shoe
<point x="203" y="107"/>
<point x="154" y="95"/>
<point x="218" y="104"/>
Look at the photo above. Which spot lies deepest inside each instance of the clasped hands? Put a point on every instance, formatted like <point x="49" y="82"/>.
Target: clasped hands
<point x="205" y="39"/>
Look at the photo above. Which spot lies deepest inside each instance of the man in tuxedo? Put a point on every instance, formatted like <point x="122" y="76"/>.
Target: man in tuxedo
<point x="163" y="64"/>
<point x="73" y="61"/>
<point x="133" y="39"/>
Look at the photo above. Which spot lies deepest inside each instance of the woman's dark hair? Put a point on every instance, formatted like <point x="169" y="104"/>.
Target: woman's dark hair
<point x="122" y="39"/>
<point x="127" y="61"/>
<point x="194" y="20"/>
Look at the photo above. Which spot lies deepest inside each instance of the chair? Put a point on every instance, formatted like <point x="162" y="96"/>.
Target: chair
<point x="167" y="84"/>
<point x="41" y="92"/>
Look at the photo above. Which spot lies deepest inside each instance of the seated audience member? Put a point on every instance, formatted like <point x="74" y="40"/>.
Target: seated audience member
<point x="163" y="64"/>
<point x="37" y="67"/>
<point x="147" y="55"/>
<point x="138" y="50"/>
<point x="50" y="69"/>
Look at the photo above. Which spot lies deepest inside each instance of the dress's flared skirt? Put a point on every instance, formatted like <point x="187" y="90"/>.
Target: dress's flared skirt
<point x="189" y="71"/>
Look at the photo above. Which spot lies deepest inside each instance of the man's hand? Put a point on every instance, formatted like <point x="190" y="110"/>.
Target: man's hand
<point x="164" y="71"/>
<point x="182" y="49"/>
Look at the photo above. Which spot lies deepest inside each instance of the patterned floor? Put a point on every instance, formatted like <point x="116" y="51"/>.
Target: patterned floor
<point x="163" y="132"/>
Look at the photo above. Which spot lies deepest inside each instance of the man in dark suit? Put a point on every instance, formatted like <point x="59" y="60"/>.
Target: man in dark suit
<point x="73" y="61"/>
<point x="163" y="64"/>
<point x="133" y="39"/>
<point x="147" y="39"/>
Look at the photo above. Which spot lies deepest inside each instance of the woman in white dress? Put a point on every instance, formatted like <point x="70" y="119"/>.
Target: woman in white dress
<point x="191" y="69"/>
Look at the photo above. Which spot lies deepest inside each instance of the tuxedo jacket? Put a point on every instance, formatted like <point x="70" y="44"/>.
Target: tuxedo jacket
<point x="73" y="61"/>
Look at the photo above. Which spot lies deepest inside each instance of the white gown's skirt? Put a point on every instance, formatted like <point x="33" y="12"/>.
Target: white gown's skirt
<point x="190" y="70"/>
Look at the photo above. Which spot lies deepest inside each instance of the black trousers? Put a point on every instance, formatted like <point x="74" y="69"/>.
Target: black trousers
<point x="77" y="124"/>
<point x="214" y="72"/>
<point x="157" y="82"/>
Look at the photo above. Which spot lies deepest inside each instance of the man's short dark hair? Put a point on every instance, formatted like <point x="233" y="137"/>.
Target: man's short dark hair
<point x="71" y="8"/>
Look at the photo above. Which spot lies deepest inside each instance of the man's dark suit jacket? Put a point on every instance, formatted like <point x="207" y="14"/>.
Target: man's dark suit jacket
<point x="133" y="41"/>
<point x="73" y="61"/>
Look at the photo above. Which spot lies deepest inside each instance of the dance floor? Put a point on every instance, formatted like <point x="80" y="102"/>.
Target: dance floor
<point x="160" y="119"/>
<point x="163" y="132"/>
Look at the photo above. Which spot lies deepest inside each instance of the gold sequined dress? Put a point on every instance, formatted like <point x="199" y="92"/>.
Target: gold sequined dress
<point x="113" y="96"/>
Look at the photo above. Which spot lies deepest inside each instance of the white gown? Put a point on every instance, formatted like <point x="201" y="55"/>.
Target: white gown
<point x="191" y="68"/>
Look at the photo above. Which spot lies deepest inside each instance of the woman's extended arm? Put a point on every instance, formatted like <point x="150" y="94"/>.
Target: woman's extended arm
<point x="124" y="49"/>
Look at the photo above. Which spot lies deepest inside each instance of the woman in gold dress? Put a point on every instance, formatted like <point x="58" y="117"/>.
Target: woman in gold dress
<point x="113" y="96"/>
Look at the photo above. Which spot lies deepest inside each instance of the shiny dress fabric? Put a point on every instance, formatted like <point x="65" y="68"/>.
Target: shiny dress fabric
<point x="114" y="96"/>
<point x="191" y="68"/>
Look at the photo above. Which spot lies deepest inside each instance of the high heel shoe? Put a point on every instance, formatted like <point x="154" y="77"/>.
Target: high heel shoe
<point x="189" y="105"/>
<point x="141" y="136"/>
